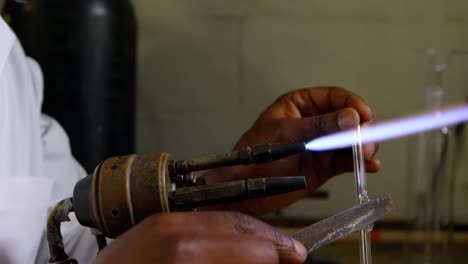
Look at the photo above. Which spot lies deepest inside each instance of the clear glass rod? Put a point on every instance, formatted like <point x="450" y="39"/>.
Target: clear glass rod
<point x="362" y="196"/>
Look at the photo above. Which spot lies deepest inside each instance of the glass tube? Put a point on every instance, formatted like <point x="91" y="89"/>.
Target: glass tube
<point x="432" y="174"/>
<point x="362" y="196"/>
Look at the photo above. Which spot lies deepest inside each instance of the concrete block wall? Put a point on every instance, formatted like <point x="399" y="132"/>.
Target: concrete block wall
<point x="208" y="68"/>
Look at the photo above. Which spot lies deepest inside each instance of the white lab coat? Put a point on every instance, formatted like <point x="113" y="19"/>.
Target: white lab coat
<point x="37" y="168"/>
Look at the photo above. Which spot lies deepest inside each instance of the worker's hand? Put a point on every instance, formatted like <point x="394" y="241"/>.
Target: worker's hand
<point x="302" y="115"/>
<point x="204" y="237"/>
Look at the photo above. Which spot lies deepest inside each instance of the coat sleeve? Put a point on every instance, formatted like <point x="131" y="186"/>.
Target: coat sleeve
<point x="37" y="168"/>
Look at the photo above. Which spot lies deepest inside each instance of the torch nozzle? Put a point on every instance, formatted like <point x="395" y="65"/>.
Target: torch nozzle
<point x="249" y="155"/>
<point x="217" y="193"/>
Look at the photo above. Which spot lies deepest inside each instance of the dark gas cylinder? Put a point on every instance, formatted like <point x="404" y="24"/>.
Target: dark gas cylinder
<point x="87" y="52"/>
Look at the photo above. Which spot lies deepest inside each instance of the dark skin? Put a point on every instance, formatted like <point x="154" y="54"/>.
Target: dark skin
<point x="231" y="237"/>
<point x="204" y="237"/>
<point x="301" y="115"/>
<point x="228" y="237"/>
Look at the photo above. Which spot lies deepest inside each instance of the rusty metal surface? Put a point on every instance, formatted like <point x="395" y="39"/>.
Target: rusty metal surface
<point x="150" y="185"/>
<point x="113" y="198"/>
<point x="235" y="191"/>
<point x="343" y="223"/>
<point x="57" y="215"/>
<point x="130" y="188"/>
<point x="122" y="191"/>
<point x="257" y="154"/>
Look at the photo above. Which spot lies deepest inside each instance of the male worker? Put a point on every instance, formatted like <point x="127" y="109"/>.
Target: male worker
<point x="222" y="237"/>
<point x="37" y="170"/>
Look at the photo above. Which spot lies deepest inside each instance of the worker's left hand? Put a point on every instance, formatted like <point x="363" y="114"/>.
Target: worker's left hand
<point x="302" y="115"/>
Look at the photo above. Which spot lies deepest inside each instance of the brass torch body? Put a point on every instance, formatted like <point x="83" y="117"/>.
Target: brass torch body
<point x="122" y="191"/>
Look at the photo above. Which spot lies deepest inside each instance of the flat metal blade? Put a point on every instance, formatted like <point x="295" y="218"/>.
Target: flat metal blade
<point x="344" y="223"/>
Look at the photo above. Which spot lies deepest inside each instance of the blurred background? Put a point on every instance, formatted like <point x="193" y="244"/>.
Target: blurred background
<point x="206" y="69"/>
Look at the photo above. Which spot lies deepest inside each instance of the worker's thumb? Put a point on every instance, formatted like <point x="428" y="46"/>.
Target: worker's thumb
<point x="308" y="128"/>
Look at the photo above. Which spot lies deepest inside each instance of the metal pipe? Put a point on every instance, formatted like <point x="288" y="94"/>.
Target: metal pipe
<point x="58" y="215"/>
<point x="202" y="195"/>
<point x="249" y="155"/>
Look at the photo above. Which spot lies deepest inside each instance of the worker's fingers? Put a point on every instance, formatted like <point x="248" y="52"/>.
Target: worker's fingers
<point x="372" y="165"/>
<point x="370" y="149"/>
<point x="308" y="128"/>
<point x="342" y="160"/>
<point x="193" y="247"/>
<point x="221" y="248"/>
<point x="228" y="223"/>
<point x="320" y="100"/>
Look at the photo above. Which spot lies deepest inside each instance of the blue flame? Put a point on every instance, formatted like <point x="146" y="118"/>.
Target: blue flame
<point x="393" y="129"/>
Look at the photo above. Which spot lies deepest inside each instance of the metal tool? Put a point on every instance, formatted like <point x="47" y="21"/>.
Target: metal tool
<point x="124" y="190"/>
<point x="256" y="154"/>
<point x="343" y="223"/>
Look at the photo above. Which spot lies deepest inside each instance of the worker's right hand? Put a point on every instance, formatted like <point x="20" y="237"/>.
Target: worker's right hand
<point x="299" y="116"/>
<point x="203" y="237"/>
